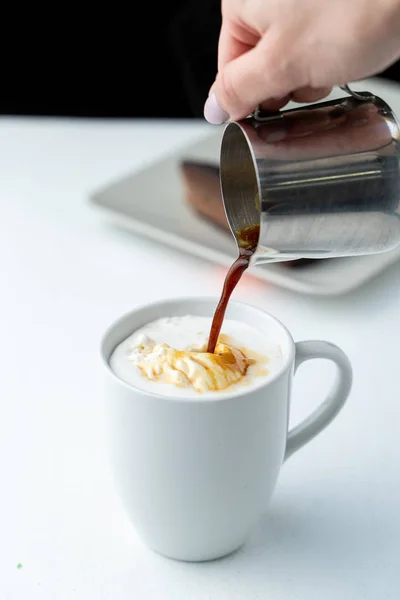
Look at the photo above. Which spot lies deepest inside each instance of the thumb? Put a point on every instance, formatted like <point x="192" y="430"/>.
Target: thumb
<point x="242" y="84"/>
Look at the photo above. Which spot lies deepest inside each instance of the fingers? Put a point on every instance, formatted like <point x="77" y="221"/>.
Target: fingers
<point x="274" y="104"/>
<point x="253" y="77"/>
<point x="306" y="94"/>
<point x="230" y="46"/>
<point x="309" y="94"/>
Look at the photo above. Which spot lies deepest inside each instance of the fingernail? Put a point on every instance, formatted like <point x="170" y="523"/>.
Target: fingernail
<point x="276" y="136"/>
<point x="213" y="113"/>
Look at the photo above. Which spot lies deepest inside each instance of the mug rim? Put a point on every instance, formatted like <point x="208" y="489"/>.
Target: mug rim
<point x="287" y="363"/>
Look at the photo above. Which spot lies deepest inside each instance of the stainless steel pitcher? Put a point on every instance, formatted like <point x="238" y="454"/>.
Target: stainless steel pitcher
<point x="321" y="181"/>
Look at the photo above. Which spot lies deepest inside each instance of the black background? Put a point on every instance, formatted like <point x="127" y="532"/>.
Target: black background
<point x="134" y="60"/>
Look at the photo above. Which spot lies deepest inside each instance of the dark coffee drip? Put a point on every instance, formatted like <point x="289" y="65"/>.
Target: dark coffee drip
<point x="248" y="240"/>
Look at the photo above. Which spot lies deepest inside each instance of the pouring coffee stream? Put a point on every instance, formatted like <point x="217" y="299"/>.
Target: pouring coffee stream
<point x="247" y="246"/>
<point x="328" y="186"/>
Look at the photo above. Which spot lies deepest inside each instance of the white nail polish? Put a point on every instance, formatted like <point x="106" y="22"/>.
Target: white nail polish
<point x="213" y="112"/>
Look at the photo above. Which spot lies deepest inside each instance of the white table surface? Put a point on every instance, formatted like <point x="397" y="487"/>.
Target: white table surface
<point x="333" y="528"/>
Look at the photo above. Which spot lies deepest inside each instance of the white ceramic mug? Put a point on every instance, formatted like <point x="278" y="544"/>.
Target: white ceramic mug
<point x="197" y="474"/>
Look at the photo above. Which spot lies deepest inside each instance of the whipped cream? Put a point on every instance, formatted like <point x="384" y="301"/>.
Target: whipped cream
<point x="168" y="357"/>
<point x="193" y="367"/>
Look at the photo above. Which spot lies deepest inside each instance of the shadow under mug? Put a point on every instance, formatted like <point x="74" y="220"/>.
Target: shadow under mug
<point x="196" y="474"/>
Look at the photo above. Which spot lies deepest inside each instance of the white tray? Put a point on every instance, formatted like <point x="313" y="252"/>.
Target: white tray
<point x="165" y="217"/>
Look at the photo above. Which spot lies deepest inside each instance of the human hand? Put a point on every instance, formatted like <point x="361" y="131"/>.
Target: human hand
<point x="271" y="51"/>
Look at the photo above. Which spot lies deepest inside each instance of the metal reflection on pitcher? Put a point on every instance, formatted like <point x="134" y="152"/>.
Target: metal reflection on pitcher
<point x="320" y="181"/>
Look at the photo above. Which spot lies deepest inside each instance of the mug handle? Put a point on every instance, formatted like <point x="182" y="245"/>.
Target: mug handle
<point x="327" y="411"/>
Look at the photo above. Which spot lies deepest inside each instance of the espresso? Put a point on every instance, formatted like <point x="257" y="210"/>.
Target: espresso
<point x="248" y="241"/>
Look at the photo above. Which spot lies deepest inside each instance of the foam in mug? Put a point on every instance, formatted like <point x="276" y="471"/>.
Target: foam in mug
<point x="168" y="357"/>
